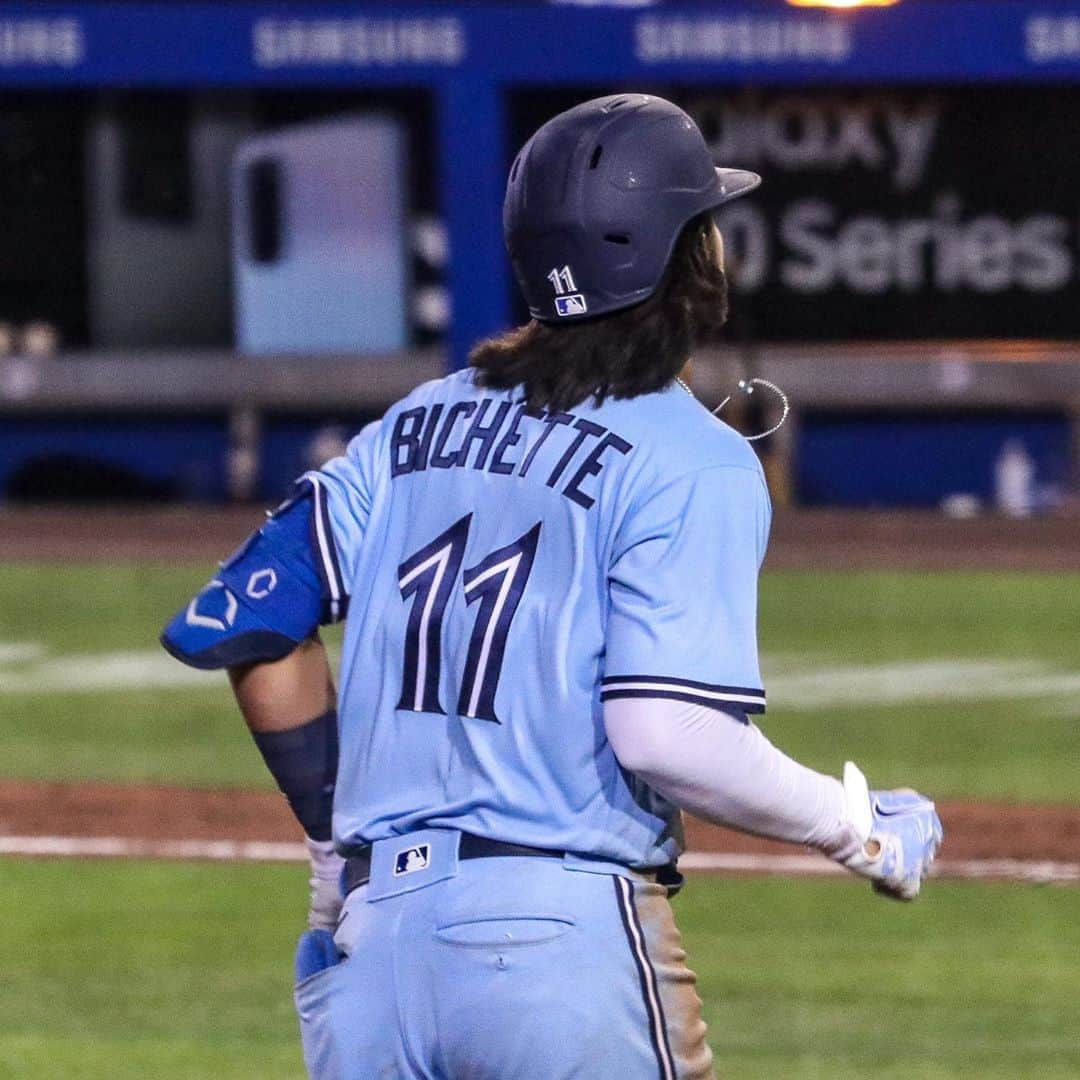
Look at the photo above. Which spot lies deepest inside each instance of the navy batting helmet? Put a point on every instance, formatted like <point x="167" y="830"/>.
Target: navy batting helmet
<point x="597" y="198"/>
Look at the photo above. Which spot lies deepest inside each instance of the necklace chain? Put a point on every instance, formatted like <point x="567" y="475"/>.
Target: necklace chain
<point x="746" y="386"/>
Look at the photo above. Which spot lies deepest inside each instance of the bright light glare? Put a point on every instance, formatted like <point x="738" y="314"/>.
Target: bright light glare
<point x="843" y="3"/>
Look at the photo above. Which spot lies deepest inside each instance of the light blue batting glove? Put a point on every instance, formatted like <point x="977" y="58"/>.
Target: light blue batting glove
<point x="899" y="831"/>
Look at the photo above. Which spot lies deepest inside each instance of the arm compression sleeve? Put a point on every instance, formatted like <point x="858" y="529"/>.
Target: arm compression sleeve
<point x="724" y="770"/>
<point x="304" y="761"/>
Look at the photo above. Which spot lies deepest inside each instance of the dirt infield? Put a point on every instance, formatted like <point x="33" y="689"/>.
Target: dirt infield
<point x="158" y="813"/>
<point x="800" y="538"/>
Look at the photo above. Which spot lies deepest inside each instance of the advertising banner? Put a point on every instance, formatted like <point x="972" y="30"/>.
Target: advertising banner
<point x="887" y="214"/>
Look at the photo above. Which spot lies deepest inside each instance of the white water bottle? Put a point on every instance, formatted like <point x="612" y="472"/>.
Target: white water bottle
<point x="1014" y="480"/>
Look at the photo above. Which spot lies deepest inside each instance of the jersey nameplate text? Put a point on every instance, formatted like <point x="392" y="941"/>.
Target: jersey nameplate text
<point x="484" y="435"/>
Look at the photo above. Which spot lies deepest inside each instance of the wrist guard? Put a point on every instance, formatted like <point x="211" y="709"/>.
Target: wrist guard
<point x="304" y="763"/>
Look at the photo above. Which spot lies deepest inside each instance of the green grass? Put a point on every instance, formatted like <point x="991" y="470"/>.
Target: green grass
<point x="824" y="979"/>
<point x="133" y="970"/>
<point x="142" y="969"/>
<point x="882" y="615"/>
<point x="189" y="735"/>
<point x="181" y="737"/>
<point x="992" y="750"/>
<point x="1024" y="747"/>
<point x="74" y="608"/>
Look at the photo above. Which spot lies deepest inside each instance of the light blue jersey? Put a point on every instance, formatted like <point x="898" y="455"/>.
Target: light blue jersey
<point x="505" y="573"/>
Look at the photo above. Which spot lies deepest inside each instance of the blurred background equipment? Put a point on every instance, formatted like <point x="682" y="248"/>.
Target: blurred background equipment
<point x="157" y="218"/>
<point x="40" y="339"/>
<point x="292" y="222"/>
<point x="319" y="239"/>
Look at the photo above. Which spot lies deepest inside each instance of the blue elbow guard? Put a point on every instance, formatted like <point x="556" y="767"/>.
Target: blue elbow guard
<point x="265" y="600"/>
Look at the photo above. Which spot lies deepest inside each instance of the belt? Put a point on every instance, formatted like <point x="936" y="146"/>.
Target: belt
<point x="358" y="863"/>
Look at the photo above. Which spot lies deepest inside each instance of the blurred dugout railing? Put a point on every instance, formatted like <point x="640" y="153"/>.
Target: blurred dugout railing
<point x="945" y="377"/>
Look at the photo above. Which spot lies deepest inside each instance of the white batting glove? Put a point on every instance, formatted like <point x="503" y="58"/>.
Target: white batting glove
<point x="898" y="834"/>
<point x="326" y="898"/>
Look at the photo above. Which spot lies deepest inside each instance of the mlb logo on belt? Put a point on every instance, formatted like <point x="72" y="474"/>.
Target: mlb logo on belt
<point x="571" y="305"/>
<point x="412" y="859"/>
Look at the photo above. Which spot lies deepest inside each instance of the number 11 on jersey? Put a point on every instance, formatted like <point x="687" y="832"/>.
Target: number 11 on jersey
<point x="497" y="583"/>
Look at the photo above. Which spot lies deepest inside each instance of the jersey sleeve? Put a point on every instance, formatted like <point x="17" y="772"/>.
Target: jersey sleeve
<point x="683" y="593"/>
<point x="343" y="490"/>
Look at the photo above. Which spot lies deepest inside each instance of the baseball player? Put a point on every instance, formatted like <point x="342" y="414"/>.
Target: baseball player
<point x="548" y="564"/>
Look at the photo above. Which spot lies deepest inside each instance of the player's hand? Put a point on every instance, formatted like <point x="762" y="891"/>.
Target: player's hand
<point x="899" y="831"/>
<point x="326" y="898"/>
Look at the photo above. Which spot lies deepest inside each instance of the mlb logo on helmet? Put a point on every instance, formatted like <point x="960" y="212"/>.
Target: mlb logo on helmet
<point x="571" y="305"/>
<point x="562" y="280"/>
<point x="412" y="859"/>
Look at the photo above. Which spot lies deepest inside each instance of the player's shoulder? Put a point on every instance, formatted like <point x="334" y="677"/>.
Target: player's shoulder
<point x="679" y="435"/>
<point x="455" y="386"/>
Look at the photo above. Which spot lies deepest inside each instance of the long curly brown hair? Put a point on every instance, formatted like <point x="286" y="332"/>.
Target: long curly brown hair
<point x="638" y="350"/>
